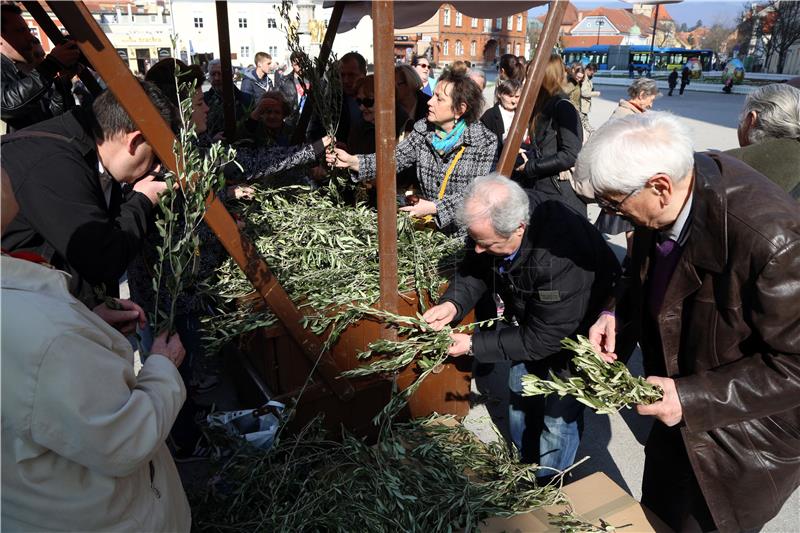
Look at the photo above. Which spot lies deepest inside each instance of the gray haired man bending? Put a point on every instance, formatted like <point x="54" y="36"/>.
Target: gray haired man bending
<point x="553" y="270"/>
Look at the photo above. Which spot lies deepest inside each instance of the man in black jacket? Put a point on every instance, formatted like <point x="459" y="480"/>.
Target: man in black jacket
<point x="553" y="271"/>
<point x="32" y="92"/>
<point x="67" y="174"/>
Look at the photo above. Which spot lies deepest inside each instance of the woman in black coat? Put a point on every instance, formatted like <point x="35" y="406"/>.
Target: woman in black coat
<point x="557" y="137"/>
<point x="498" y="118"/>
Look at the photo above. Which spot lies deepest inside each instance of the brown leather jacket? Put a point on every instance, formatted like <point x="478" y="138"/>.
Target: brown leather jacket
<point x="729" y="334"/>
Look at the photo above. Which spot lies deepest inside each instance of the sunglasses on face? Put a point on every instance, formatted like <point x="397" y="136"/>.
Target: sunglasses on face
<point x="366" y="102"/>
<point x="614" y="206"/>
<point x="423" y="65"/>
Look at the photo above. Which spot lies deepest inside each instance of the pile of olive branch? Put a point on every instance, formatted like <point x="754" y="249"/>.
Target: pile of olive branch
<point x="568" y="522"/>
<point x="182" y="207"/>
<point x="326" y="257"/>
<point x="604" y="387"/>
<point x="424" y="476"/>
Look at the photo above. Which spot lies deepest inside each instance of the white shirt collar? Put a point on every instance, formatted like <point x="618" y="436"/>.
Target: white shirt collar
<point x="676" y="230"/>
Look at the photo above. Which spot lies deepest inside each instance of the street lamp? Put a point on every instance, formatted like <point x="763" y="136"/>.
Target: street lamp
<point x="600" y="24"/>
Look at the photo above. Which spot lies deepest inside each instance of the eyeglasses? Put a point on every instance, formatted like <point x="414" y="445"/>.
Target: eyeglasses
<point x="423" y="65"/>
<point x="614" y="206"/>
<point x="366" y="102"/>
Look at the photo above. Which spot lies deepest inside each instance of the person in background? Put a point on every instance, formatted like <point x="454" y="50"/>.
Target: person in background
<point x="478" y="76"/>
<point x="32" y="90"/>
<point x="556" y="136"/>
<point x="256" y="81"/>
<point x="423" y="67"/>
<point x="292" y="85"/>
<point x="686" y="75"/>
<point x="409" y="95"/>
<point x="510" y="67"/>
<point x="213" y="98"/>
<point x="83" y="435"/>
<point x="587" y="93"/>
<point x="352" y="67"/>
<point x="574" y="85"/>
<point x="269" y="128"/>
<point x="710" y="296"/>
<point x="498" y="118"/>
<point x="672" y="80"/>
<point x="769" y="135"/>
<point x="363" y="141"/>
<point x="449" y="149"/>
<point x="513" y="250"/>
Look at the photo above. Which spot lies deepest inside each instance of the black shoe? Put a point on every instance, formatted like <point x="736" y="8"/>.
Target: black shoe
<point x="202" y="451"/>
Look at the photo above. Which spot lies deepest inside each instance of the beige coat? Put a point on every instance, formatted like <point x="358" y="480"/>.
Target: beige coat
<point x="624" y="109"/>
<point x="82" y="436"/>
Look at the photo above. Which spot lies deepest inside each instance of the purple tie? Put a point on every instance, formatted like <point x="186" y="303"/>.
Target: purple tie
<point x="664" y="262"/>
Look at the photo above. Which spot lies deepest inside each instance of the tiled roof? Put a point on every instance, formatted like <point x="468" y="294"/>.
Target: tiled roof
<point x="568" y="41"/>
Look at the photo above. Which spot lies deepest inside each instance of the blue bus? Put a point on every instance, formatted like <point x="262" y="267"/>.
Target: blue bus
<point x="620" y="57"/>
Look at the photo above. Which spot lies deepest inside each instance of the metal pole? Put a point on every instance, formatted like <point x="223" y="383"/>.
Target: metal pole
<point x="299" y="133"/>
<point x="653" y="42"/>
<point x="533" y="81"/>
<point x="383" y="37"/>
<point x="101" y="53"/>
<point x="228" y="102"/>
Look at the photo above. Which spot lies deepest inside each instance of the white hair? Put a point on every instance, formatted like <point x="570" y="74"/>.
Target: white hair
<point x="498" y="198"/>
<point x="624" y="154"/>
<point x="777" y="107"/>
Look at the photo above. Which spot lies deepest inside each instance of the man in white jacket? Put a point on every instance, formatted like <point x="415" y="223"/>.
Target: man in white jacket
<point x="82" y="436"/>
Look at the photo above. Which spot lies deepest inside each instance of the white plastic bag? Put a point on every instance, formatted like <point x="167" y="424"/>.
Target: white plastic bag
<point x="257" y="426"/>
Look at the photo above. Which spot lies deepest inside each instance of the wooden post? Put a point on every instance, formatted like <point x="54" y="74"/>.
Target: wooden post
<point x="299" y="134"/>
<point x="383" y="38"/>
<point x="54" y="34"/>
<point x="533" y="81"/>
<point x="102" y="55"/>
<point x="229" y="104"/>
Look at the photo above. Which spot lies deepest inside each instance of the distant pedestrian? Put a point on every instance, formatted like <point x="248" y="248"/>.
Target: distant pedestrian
<point x="672" y="80"/>
<point x="630" y="69"/>
<point x="685" y="75"/>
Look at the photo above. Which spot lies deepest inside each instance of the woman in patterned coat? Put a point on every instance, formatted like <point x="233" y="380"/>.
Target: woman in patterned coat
<point x="450" y="148"/>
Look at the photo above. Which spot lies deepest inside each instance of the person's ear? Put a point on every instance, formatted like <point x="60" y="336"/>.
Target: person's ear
<point x="461" y="110"/>
<point x="133" y="140"/>
<point x="662" y="186"/>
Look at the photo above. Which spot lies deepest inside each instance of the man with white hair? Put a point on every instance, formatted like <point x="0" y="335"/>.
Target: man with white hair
<point x="553" y="271"/>
<point x="711" y="295"/>
<point x="769" y="135"/>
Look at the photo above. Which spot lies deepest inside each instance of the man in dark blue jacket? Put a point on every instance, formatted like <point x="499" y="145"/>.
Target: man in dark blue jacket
<point x="553" y="270"/>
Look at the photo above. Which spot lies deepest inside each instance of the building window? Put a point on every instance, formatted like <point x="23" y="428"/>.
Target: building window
<point x="508" y="48"/>
<point x="446" y="48"/>
<point x="459" y="49"/>
<point x="516" y="49"/>
<point x="510" y="23"/>
<point x="245" y="50"/>
<point x="459" y="19"/>
<point x="473" y="23"/>
<point x="273" y="51"/>
<point x="242" y="22"/>
<point x="446" y="16"/>
<point x="519" y="22"/>
<point x="498" y="24"/>
<point x="271" y="23"/>
<point x="198" y="22"/>
<point x="473" y="48"/>
<point x="487" y="25"/>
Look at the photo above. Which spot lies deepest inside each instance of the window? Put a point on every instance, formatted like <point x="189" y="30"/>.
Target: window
<point x="198" y="22"/>
<point x="459" y="49"/>
<point x="510" y="23"/>
<point x="273" y="51"/>
<point x="446" y="48"/>
<point x="245" y="50"/>
<point x="498" y="24"/>
<point x="242" y="22"/>
<point x="446" y="16"/>
<point x="516" y="49"/>
<point x="487" y="25"/>
<point x="519" y="22"/>
<point x="473" y="23"/>
<point x="473" y="48"/>
<point x="508" y="48"/>
<point x="459" y="19"/>
<point x="271" y="23"/>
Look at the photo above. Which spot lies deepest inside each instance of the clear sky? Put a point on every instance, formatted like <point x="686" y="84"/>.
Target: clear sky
<point x="688" y="11"/>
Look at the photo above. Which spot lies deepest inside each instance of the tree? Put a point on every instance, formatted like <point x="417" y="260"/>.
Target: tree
<point x="744" y="30"/>
<point x="534" y="31"/>
<point x="683" y="27"/>
<point x="717" y="38"/>
<point x="785" y="30"/>
<point x="697" y="24"/>
<point x="665" y="32"/>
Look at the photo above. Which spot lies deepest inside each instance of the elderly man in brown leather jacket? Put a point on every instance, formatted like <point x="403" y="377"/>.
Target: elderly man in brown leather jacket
<point x="712" y="294"/>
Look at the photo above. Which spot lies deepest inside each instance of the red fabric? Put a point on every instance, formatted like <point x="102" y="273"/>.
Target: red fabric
<point x="33" y="257"/>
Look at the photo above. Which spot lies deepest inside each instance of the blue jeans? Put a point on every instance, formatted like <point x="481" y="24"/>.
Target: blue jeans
<point x="546" y="430"/>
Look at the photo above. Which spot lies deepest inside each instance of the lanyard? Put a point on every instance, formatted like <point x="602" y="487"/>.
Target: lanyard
<point x="449" y="172"/>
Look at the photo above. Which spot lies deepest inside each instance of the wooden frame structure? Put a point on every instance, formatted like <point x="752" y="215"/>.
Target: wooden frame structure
<point x="96" y="47"/>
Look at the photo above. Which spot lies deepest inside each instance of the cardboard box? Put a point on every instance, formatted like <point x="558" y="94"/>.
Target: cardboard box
<point x="592" y="498"/>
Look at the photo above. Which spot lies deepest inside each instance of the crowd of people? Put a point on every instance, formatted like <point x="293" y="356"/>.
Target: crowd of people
<point x="708" y="288"/>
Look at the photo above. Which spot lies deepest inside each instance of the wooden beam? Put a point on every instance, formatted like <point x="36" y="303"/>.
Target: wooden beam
<point x="533" y="81"/>
<point x="383" y="39"/>
<point x="102" y="55"/>
<point x="299" y="133"/>
<point x="54" y="34"/>
<point x="228" y="101"/>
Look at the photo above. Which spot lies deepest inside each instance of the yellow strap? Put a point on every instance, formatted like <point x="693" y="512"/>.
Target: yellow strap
<point x="450" y="171"/>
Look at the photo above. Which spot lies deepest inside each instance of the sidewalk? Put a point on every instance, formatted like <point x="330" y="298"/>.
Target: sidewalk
<point x="694" y="86"/>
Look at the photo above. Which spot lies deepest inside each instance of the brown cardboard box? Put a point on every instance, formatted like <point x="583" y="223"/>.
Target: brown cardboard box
<point x="592" y="498"/>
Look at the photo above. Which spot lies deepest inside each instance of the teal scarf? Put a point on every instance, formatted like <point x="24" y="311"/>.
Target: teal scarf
<point x="442" y="142"/>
